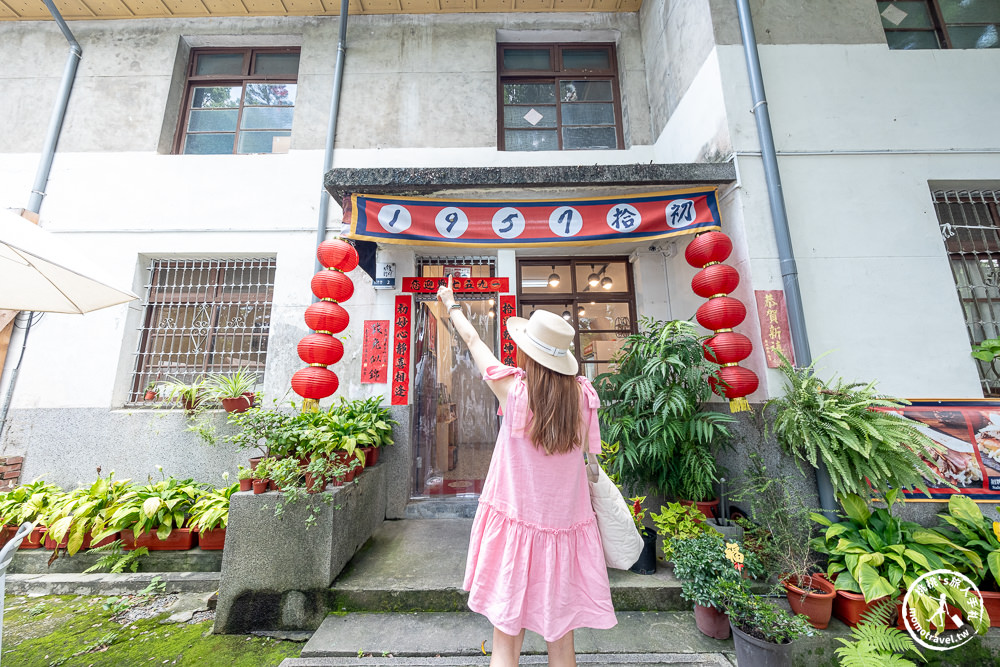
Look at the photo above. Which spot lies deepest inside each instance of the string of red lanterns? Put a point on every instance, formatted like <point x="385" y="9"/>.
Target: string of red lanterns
<point x="715" y="281"/>
<point x="326" y="318"/>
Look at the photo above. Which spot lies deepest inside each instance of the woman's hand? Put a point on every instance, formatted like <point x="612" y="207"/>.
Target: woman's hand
<point x="446" y="294"/>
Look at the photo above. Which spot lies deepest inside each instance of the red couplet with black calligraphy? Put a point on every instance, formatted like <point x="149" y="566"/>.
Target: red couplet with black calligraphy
<point x="431" y="285"/>
<point x="508" y="349"/>
<point x="375" y="352"/>
<point x="402" y="320"/>
<point x="774" y="330"/>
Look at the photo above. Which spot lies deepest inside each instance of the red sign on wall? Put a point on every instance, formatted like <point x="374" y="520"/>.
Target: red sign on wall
<point x="375" y="352"/>
<point x="774" y="326"/>
<point x="431" y="285"/>
<point x="402" y="319"/>
<point x="508" y="349"/>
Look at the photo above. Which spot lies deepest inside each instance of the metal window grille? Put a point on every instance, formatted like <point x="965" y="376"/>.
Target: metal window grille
<point x="483" y="266"/>
<point x="201" y="317"/>
<point x="970" y="226"/>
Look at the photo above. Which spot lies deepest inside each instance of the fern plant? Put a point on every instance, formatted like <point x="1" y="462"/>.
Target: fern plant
<point x="852" y="429"/>
<point x="653" y="407"/>
<point x="874" y="643"/>
<point x="115" y="560"/>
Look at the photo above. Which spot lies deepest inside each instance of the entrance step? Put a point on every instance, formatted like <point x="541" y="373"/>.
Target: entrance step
<point x="603" y="660"/>
<point x="461" y="634"/>
<point x="442" y="508"/>
<point x="419" y="565"/>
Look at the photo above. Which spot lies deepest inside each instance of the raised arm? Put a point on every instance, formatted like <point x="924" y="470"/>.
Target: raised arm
<point x="481" y="353"/>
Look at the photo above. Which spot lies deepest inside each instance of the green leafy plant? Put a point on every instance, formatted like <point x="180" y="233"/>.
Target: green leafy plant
<point x="848" y="427"/>
<point x="679" y="521"/>
<point x="323" y="470"/>
<point x="231" y="385"/>
<point x="211" y="509"/>
<point x="875" y="643"/>
<point x="189" y="393"/>
<point x="286" y="473"/>
<point x="965" y="524"/>
<point x="29" y="502"/>
<point x="115" y="560"/>
<point x="701" y="560"/>
<point x="987" y="351"/>
<point x="244" y="473"/>
<point x="268" y="430"/>
<point x="754" y="615"/>
<point x="653" y="407"/>
<point x="84" y="510"/>
<point x="155" y="507"/>
<point x="263" y="469"/>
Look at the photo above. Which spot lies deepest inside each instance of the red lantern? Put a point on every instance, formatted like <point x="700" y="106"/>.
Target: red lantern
<point x="327" y="316"/>
<point x="727" y="347"/>
<point x="337" y="254"/>
<point x="715" y="279"/>
<point x="707" y="248"/>
<point x="332" y="284"/>
<point x="734" y="382"/>
<point x="320" y="348"/>
<point x="315" y="382"/>
<point x="723" y="312"/>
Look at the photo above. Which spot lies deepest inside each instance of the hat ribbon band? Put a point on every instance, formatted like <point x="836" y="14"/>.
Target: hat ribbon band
<point x="554" y="351"/>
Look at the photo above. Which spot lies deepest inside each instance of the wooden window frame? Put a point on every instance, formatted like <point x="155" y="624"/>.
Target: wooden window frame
<point x="246" y="76"/>
<point x="938" y="25"/>
<point x="577" y="297"/>
<point x="554" y="75"/>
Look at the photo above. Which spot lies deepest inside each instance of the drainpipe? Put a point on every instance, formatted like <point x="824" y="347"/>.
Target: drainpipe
<point x="45" y="167"/>
<point x="779" y="219"/>
<point x="331" y="133"/>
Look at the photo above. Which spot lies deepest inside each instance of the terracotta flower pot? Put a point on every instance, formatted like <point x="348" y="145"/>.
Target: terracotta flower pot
<point x="313" y="485"/>
<point x="849" y="607"/>
<point x="817" y="606"/>
<point x="375" y="451"/>
<point x="369" y="461"/>
<point x="238" y="404"/>
<point x="254" y="461"/>
<point x="711" y="621"/>
<point x="246" y="484"/>
<point x="149" y="396"/>
<point x="212" y="540"/>
<point x="991" y="601"/>
<point x="260" y="486"/>
<point x="180" y="539"/>
<point x="708" y="507"/>
<point x="88" y="541"/>
<point x="32" y="540"/>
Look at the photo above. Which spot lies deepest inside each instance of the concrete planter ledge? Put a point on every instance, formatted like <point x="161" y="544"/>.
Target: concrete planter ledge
<point x="276" y="573"/>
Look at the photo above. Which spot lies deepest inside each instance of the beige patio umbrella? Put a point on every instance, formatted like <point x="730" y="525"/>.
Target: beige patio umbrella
<point x="39" y="271"/>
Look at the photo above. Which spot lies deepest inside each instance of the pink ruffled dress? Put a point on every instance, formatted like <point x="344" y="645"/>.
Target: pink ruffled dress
<point x="535" y="558"/>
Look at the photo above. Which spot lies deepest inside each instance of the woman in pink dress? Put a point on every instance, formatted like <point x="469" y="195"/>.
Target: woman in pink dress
<point x="535" y="558"/>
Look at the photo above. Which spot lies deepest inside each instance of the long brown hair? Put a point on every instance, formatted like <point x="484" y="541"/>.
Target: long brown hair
<point x="554" y="401"/>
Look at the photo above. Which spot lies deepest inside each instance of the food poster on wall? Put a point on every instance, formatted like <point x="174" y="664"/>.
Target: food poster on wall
<point x="969" y="432"/>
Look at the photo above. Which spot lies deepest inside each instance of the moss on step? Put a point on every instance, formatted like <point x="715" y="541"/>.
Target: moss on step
<point x="78" y="631"/>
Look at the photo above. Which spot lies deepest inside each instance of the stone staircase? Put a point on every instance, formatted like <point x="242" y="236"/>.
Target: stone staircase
<point x="400" y="602"/>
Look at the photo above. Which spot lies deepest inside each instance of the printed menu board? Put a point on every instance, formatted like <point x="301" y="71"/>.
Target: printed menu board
<point x="969" y="431"/>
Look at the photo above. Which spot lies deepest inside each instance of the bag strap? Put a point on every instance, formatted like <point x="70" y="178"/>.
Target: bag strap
<point x="593" y="468"/>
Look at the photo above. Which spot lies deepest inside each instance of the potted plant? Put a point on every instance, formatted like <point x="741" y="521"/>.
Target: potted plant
<point x="269" y="431"/>
<point x="762" y="632"/>
<point x="653" y="406"/>
<point x="30" y="503"/>
<point x="210" y="517"/>
<point x="854" y="431"/>
<point x="245" y="477"/>
<point x="153" y="515"/>
<point x="965" y="525"/>
<point x="783" y="530"/>
<point x="874" y="642"/>
<point x="647" y="559"/>
<point x="190" y="394"/>
<point x="679" y="521"/>
<point x="698" y="562"/>
<point x="234" y="390"/>
<point x="260" y="475"/>
<point x="285" y="473"/>
<point x="79" y="515"/>
<point x="151" y="391"/>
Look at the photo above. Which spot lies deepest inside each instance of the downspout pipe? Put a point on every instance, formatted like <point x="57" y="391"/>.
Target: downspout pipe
<point x="779" y="219"/>
<point x="331" y="133"/>
<point x="58" y="113"/>
<point x="44" y="168"/>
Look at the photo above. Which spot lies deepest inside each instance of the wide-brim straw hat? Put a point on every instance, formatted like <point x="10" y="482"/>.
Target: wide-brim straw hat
<point x="546" y="338"/>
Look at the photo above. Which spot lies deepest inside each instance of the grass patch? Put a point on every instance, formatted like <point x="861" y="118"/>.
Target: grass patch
<point x="76" y="631"/>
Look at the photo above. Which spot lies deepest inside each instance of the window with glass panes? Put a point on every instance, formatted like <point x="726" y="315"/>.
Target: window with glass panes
<point x="941" y="24"/>
<point x="970" y="227"/>
<point x="558" y="97"/>
<point x="594" y="294"/>
<point x="239" y="101"/>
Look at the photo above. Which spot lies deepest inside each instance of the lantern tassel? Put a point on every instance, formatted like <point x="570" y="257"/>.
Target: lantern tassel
<point x="310" y="405"/>
<point x="740" y="404"/>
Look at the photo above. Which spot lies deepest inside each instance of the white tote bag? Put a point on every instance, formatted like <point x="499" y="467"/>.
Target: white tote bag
<point x="619" y="536"/>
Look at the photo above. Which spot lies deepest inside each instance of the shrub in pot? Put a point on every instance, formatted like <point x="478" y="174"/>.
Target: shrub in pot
<point x="209" y="516"/>
<point x="29" y="503"/>
<point x="699" y="562"/>
<point x="149" y="514"/>
<point x="79" y="515"/>
<point x="234" y="390"/>
<point x="679" y="521"/>
<point x="654" y="407"/>
<point x="762" y="632"/>
<point x="245" y="477"/>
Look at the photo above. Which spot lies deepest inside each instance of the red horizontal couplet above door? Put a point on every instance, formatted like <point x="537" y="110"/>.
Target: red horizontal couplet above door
<point x="402" y="324"/>
<point x="471" y="285"/>
<point x="532" y="223"/>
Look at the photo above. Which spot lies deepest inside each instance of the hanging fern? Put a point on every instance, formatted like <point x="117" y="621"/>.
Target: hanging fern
<point x="652" y="408"/>
<point x="876" y="643"/>
<point x="854" y="430"/>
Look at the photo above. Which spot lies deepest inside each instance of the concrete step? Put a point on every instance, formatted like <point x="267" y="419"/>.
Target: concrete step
<point x="604" y="660"/>
<point x="462" y="634"/>
<point x="109" y="584"/>
<point x="36" y="561"/>
<point x="419" y="565"/>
